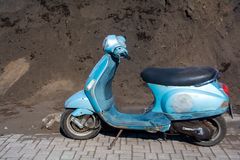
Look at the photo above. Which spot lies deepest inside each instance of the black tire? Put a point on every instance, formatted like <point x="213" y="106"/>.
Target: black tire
<point x="220" y="132"/>
<point x="70" y="130"/>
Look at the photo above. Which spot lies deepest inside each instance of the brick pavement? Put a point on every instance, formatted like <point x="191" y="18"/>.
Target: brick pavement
<point x="130" y="147"/>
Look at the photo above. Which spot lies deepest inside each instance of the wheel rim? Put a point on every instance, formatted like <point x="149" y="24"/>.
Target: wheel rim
<point x="75" y="130"/>
<point x="216" y="133"/>
<point x="214" y="123"/>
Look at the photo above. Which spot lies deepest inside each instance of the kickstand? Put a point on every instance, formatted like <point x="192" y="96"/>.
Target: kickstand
<point x="115" y="139"/>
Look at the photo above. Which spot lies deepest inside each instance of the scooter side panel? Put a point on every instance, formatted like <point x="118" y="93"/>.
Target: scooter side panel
<point x="149" y="121"/>
<point x="189" y="102"/>
<point x="99" y="84"/>
<point x="92" y="80"/>
<point x="79" y="101"/>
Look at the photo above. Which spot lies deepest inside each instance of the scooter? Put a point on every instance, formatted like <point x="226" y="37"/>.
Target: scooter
<point x="188" y="101"/>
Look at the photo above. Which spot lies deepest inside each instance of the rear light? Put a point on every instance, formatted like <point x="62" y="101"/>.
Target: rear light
<point x="225" y="89"/>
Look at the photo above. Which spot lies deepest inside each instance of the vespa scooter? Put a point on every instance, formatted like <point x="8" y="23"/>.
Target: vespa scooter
<point x="188" y="101"/>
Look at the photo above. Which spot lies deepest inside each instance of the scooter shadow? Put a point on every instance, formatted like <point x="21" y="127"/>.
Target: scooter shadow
<point x="133" y="134"/>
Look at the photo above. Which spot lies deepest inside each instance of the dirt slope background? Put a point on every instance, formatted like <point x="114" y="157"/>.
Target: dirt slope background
<point x="48" y="48"/>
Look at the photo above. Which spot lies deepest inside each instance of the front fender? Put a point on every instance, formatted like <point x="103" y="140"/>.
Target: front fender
<point x="81" y="111"/>
<point x="80" y="102"/>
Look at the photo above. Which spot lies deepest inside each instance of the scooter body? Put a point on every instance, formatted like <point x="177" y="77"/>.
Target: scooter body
<point x="171" y="103"/>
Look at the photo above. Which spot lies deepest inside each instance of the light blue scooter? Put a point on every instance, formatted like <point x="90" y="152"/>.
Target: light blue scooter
<point x="188" y="101"/>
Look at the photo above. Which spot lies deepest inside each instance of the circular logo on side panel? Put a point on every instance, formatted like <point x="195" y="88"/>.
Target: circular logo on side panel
<point x="182" y="103"/>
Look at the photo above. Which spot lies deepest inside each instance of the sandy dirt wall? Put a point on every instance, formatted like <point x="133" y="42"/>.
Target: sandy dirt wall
<point x="52" y="46"/>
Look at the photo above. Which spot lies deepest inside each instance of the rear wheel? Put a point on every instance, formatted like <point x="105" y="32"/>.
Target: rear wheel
<point x="91" y="125"/>
<point x="218" y="124"/>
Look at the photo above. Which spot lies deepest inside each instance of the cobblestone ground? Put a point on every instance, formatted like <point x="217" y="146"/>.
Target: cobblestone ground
<point x="128" y="147"/>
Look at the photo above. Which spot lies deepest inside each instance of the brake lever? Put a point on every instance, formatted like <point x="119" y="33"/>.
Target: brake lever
<point x="128" y="57"/>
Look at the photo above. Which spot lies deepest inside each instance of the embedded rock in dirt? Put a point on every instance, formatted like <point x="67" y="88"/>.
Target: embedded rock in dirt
<point x="50" y="120"/>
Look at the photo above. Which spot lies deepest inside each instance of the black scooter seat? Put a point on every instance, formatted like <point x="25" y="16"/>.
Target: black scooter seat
<point x="179" y="76"/>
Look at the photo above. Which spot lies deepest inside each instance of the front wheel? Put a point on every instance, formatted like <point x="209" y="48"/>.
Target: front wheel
<point x="80" y="128"/>
<point x="218" y="124"/>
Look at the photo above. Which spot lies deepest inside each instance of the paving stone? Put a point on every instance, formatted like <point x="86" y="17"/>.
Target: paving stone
<point x="68" y="154"/>
<point x="40" y="157"/>
<point x="234" y="156"/>
<point x="68" y="140"/>
<point x="1" y="142"/>
<point x="13" y="158"/>
<point x="176" y="156"/>
<point x="191" y="147"/>
<point x="3" y="138"/>
<point x="163" y="156"/>
<point x="151" y="156"/>
<point x="100" y="155"/>
<point x="3" y="151"/>
<point x="192" y="153"/>
<point x="113" y="157"/>
<point x="6" y="136"/>
<point x="204" y="150"/>
<point x="122" y="156"/>
<point x="138" y="158"/>
<point x="138" y="154"/>
<point x="232" y="153"/>
<point x="2" y="147"/>
<point x="32" y="147"/>
<point x="91" y="153"/>
<point x="13" y="153"/>
<point x="55" y="155"/>
<point x="77" y="148"/>
<point x="44" y="152"/>
<point x="126" y="147"/>
<point x="59" y="147"/>
<point x="59" y="139"/>
<point x="203" y="158"/>
<point x="79" y="154"/>
<point x="88" y="158"/>
<point x="190" y="158"/>
<point x="122" y="151"/>
<point x="10" y="140"/>
<point x="106" y="151"/>
<point x="178" y="146"/>
<point x="15" y="144"/>
<point x="73" y="144"/>
<point x="17" y="136"/>
<point x="103" y="139"/>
